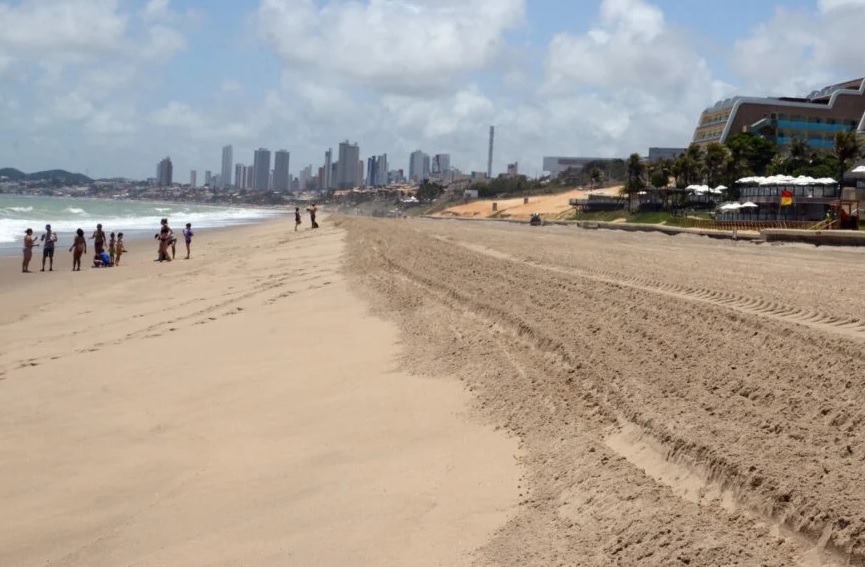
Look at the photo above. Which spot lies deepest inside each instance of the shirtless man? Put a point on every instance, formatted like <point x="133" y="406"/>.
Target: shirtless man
<point x="98" y="239"/>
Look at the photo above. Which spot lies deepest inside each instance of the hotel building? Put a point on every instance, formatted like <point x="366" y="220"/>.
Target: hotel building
<point x="814" y="119"/>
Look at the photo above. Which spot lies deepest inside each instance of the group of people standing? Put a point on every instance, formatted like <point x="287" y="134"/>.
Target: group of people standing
<point x="108" y="249"/>
<point x="48" y="241"/>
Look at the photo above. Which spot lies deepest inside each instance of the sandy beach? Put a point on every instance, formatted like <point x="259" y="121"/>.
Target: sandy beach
<point x="437" y="392"/>
<point x="240" y="408"/>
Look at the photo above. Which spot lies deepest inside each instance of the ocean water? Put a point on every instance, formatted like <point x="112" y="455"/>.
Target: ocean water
<point x="133" y="218"/>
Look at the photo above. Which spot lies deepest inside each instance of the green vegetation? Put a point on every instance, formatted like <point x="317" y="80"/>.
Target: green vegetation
<point x="649" y="218"/>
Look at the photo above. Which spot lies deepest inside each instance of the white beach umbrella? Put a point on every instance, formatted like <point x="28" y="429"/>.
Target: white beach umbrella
<point x="730" y="207"/>
<point x="748" y="205"/>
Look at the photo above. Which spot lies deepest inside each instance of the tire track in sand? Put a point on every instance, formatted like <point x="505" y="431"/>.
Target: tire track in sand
<point x="850" y="328"/>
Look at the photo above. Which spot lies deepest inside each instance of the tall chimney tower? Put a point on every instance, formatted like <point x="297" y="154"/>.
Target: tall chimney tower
<point x="490" y="158"/>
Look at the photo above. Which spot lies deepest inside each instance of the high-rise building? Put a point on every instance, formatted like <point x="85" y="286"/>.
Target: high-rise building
<point x="193" y="182"/>
<point x="381" y="173"/>
<point x="281" y="179"/>
<point x="346" y="171"/>
<point x="418" y="166"/>
<point x="249" y="177"/>
<point x="227" y="164"/>
<point x="441" y="164"/>
<point x="513" y="169"/>
<point x="360" y="173"/>
<point x="208" y="178"/>
<point x="321" y="178"/>
<point x="238" y="175"/>
<point x="164" y="173"/>
<point x="305" y="177"/>
<point x="371" y="170"/>
<point x="328" y="169"/>
<point x="261" y="165"/>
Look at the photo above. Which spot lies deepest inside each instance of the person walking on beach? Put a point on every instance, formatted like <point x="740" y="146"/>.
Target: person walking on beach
<point x="49" y="238"/>
<point x="98" y="238"/>
<point x="297" y="219"/>
<point x="79" y="245"/>
<point x="119" y="248"/>
<point x="312" y="210"/>
<point x="187" y="237"/>
<point x="29" y="243"/>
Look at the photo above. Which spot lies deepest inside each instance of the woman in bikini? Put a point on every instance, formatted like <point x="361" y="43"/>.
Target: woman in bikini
<point x="79" y="245"/>
<point x="29" y="243"/>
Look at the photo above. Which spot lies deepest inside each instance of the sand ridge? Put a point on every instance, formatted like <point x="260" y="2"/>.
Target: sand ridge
<point x="679" y="400"/>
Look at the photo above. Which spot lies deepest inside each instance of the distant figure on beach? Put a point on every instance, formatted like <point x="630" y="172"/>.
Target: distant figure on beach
<point x="79" y="245"/>
<point x="312" y="210"/>
<point x="163" y="236"/>
<point x="102" y="260"/>
<point x="29" y="243"/>
<point x="49" y="238"/>
<point x="297" y="219"/>
<point x="171" y="240"/>
<point x="187" y="237"/>
<point x="98" y="238"/>
<point x="119" y="248"/>
<point x="112" y="247"/>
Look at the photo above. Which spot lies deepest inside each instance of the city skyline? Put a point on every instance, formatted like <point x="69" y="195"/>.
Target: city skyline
<point x="603" y="78"/>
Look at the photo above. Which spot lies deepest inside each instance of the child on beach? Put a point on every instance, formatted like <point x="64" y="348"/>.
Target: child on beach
<point x="187" y="236"/>
<point x="102" y="260"/>
<point x="29" y="243"/>
<point x="297" y="219"/>
<point x="79" y="245"/>
<point x="112" y="247"/>
<point x="120" y="249"/>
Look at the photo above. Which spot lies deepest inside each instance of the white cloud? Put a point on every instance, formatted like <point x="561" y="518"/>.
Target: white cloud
<point x="798" y="50"/>
<point x="402" y="46"/>
<point x="829" y="5"/>
<point x="69" y="30"/>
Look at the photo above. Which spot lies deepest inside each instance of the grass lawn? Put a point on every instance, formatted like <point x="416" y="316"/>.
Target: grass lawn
<point x="611" y="216"/>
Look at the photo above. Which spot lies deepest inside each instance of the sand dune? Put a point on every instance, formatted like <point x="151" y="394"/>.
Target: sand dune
<point x="679" y="400"/>
<point x="240" y="408"/>
<point x="548" y="206"/>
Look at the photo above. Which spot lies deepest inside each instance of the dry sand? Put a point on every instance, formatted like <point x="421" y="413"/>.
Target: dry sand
<point x="679" y="400"/>
<point x="240" y="408"/>
<point x="548" y="206"/>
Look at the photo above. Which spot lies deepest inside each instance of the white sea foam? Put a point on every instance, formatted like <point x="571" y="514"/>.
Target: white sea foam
<point x="19" y="209"/>
<point x="76" y="211"/>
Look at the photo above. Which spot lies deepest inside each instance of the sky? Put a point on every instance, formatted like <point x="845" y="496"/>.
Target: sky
<point x="110" y="87"/>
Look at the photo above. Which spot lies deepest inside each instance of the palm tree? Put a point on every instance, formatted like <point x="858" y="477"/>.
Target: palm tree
<point x="717" y="162"/>
<point x="847" y="147"/>
<point x="597" y="177"/>
<point x="636" y="176"/>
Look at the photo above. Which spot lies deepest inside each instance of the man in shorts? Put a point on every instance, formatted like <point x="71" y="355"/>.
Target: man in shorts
<point x="48" y="239"/>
